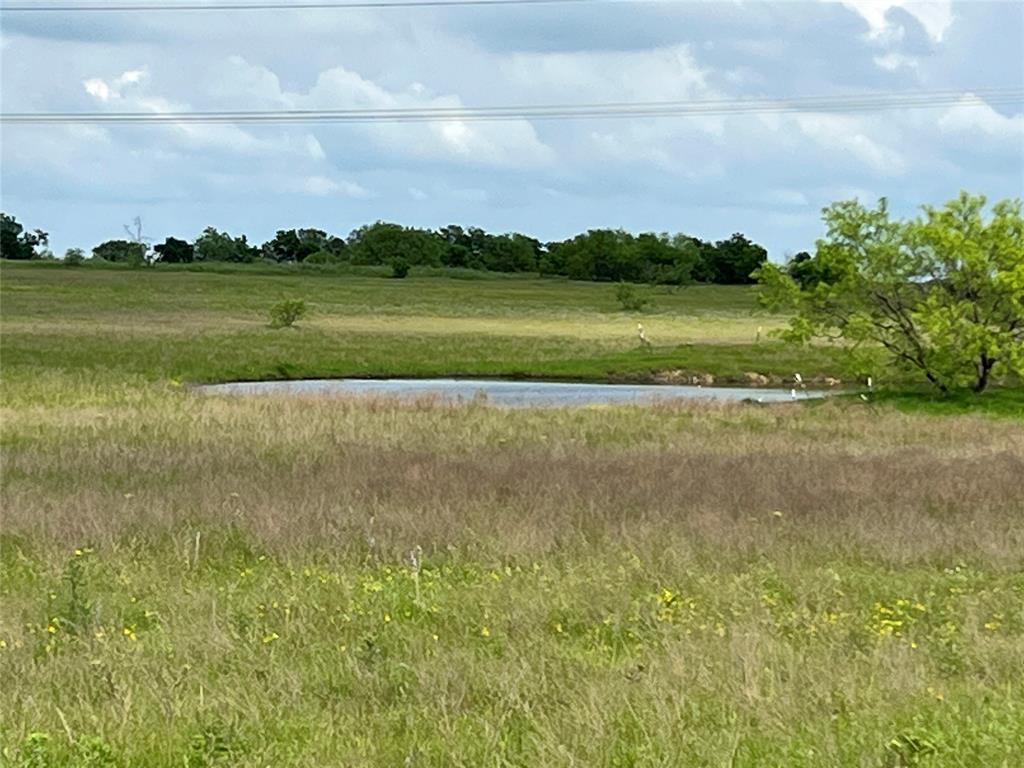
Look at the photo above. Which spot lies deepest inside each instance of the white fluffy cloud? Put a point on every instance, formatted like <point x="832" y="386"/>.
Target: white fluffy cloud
<point x="936" y="16"/>
<point x="499" y="144"/>
<point x="982" y="122"/>
<point x="767" y="175"/>
<point x="104" y="90"/>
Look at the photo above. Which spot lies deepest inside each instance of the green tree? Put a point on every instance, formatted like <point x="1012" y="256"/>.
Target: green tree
<point x="457" y="249"/>
<point x="175" y="251"/>
<point x="383" y="242"/>
<point x="665" y="260"/>
<point x="213" y="245"/>
<point x="299" y="244"/>
<point x="509" y="253"/>
<point x="942" y="294"/>
<point x="730" y="262"/>
<point x="16" y="243"/>
<point x="123" y="251"/>
<point x="598" y="254"/>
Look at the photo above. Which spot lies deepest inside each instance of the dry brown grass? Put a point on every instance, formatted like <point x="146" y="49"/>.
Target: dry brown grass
<point x="330" y="471"/>
<point x="681" y="584"/>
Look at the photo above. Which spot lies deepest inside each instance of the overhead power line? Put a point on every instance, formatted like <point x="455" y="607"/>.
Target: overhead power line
<point x="646" y="109"/>
<point x="277" y="6"/>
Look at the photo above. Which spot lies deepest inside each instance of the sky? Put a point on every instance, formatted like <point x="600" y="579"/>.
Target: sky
<point x="766" y="175"/>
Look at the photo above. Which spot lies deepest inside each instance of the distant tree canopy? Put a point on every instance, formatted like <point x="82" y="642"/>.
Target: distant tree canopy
<point x="383" y="242"/>
<point x="942" y="294"/>
<point x="474" y="248"/>
<point x="16" y="243"/>
<point x="175" y="251"/>
<point x="300" y="244"/>
<point x="616" y="255"/>
<point x="213" y="245"/>
<point x="611" y="255"/>
<point x="730" y="262"/>
<point x="124" y="251"/>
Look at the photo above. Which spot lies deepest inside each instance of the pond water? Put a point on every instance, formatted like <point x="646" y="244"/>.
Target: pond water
<point x="508" y="393"/>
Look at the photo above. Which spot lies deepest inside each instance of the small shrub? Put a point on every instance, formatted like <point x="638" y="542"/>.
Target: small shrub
<point x="630" y="299"/>
<point x="73" y="257"/>
<point x="321" y="257"/>
<point x="285" y="313"/>
<point x="399" y="268"/>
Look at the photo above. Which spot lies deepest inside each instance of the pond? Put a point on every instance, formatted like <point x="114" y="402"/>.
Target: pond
<point x="508" y="393"/>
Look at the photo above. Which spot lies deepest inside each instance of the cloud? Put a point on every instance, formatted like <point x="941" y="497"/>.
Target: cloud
<point x="322" y="186"/>
<point x="500" y="144"/>
<point x="105" y="91"/>
<point x="936" y="16"/>
<point x="893" y="61"/>
<point x="978" y="121"/>
<point x="767" y="175"/>
<point x="842" y="134"/>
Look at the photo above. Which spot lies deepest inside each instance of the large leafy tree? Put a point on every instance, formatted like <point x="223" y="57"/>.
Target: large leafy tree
<point x="15" y="242"/>
<point x="213" y="245"/>
<point x="175" y="251"/>
<point x="383" y="243"/>
<point x="730" y="262"/>
<point x="942" y="294"/>
<point x="300" y="244"/>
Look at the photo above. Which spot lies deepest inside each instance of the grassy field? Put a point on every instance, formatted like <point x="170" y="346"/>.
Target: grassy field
<point x="210" y="326"/>
<point x="191" y="580"/>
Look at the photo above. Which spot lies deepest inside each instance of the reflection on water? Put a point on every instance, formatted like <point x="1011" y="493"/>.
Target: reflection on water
<point x="508" y="393"/>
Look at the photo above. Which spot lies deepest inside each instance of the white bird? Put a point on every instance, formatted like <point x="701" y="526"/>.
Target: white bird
<point x="800" y="382"/>
<point x="792" y="393"/>
<point x="871" y="383"/>
<point x="642" y="335"/>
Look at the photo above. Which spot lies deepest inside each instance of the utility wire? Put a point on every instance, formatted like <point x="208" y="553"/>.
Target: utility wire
<point x="301" y="5"/>
<point x="655" y="109"/>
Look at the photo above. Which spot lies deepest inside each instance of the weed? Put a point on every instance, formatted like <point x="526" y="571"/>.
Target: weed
<point x="631" y="299"/>
<point x="285" y="313"/>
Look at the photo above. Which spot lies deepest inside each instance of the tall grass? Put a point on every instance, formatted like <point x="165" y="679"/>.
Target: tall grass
<point x="195" y="580"/>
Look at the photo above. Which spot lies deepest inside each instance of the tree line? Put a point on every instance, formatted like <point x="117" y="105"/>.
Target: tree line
<point x="597" y="255"/>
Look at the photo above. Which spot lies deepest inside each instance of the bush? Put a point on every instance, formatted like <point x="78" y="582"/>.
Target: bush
<point x="73" y="257"/>
<point x="321" y="257"/>
<point x="630" y="299"/>
<point x="285" y="313"/>
<point x="399" y="268"/>
<point x="123" y="251"/>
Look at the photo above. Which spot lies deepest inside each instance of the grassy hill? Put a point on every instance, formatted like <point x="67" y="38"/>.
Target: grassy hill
<point x="201" y="325"/>
<point x="191" y="580"/>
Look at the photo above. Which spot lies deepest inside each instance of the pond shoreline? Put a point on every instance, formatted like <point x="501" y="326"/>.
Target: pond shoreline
<point x="666" y="378"/>
<point x="512" y="393"/>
